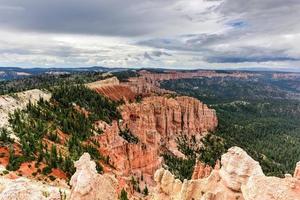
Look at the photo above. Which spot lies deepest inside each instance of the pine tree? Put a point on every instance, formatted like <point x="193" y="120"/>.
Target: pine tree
<point x="123" y="195"/>
<point x="146" y="191"/>
<point x="53" y="157"/>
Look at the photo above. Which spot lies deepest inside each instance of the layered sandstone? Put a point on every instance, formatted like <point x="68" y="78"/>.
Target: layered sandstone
<point x="167" y="118"/>
<point x="156" y="122"/>
<point x="112" y="89"/>
<point x="239" y="178"/>
<point x="117" y="92"/>
<point x="201" y="170"/>
<point x="129" y="158"/>
<point x="104" y="82"/>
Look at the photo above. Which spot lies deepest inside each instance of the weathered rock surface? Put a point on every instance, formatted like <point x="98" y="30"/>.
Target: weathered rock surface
<point x="271" y="188"/>
<point x="21" y="190"/>
<point x="87" y="184"/>
<point x="168" y="117"/>
<point x="210" y="188"/>
<point x="237" y="167"/>
<point x="25" y="189"/>
<point x="157" y="122"/>
<point x="9" y="103"/>
<point x="129" y="158"/>
<point x="201" y="170"/>
<point x="240" y="178"/>
<point x="247" y="182"/>
<point x="112" y="89"/>
<point x="297" y="171"/>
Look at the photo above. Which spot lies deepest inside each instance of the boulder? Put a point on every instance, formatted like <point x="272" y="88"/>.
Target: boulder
<point x="87" y="184"/>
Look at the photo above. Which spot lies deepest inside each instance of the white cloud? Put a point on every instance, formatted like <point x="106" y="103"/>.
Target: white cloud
<point x="150" y="33"/>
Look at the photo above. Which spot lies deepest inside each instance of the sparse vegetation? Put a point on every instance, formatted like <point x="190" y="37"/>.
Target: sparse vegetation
<point x="208" y="151"/>
<point x="123" y="195"/>
<point x="128" y="136"/>
<point x="4" y="136"/>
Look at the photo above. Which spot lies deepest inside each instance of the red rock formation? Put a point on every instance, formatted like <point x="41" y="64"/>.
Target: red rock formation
<point x="117" y="92"/>
<point x="201" y="170"/>
<point x="112" y="89"/>
<point x="169" y="117"/>
<point x="127" y="158"/>
<point x="157" y="122"/>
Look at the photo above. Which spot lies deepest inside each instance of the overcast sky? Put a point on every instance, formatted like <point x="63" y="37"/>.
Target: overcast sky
<point x="150" y="33"/>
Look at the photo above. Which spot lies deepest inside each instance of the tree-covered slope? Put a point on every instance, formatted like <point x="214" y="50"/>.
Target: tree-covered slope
<point x="261" y="115"/>
<point x="58" y="131"/>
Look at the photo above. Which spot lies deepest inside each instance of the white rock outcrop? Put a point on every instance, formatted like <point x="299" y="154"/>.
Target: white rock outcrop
<point x="237" y="167"/>
<point x="87" y="184"/>
<point x="240" y="178"/>
<point x="9" y="103"/>
<point x="25" y="189"/>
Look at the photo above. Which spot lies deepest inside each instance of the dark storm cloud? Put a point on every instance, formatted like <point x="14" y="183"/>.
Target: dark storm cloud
<point x="160" y="53"/>
<point x="101" y="17"/>
<point x="157" y="54"/>
<point x="147" y="56"/>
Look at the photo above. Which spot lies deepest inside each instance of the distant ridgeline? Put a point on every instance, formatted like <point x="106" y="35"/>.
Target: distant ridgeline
<point x="48" y="80"/>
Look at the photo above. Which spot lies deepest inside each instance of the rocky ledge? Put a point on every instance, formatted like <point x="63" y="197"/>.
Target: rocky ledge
<point x="239" y="178"/>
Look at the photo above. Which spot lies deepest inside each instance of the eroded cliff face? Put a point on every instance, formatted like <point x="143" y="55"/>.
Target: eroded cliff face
<point x="168" y="117"/>
<point x="129" y="159"/>
<point x="160" y="120"/>
<point x="240" y="178"/>
<point x="113" y="89"/>
<point x="156" y="122"/>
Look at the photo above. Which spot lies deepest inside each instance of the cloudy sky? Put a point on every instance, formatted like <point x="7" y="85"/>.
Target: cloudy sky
<point x="150" y="33"/>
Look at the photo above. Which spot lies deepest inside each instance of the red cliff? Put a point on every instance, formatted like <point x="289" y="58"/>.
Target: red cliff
<point x="156" y="122"/>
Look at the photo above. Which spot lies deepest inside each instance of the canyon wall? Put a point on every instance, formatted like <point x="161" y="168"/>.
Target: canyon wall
<point x="113" y="89"/>
<point x="168" y="117"/>
<point x="156" y="122"/>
